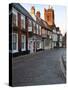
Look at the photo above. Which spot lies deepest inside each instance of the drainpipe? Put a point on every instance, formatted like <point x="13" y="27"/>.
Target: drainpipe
<point x="27" y="34"/>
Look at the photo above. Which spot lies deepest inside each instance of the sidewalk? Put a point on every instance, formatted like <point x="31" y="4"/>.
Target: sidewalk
<point x="63" y="64"/>
<point x="25" y="57"/>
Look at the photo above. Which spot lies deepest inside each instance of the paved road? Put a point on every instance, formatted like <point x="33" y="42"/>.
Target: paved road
<point x="38" y="69"/>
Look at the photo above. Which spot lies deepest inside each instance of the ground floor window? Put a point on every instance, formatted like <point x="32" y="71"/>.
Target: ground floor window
<point x="23" y="42"/>
<point x="38" y="44"/>
<point x="47" y="42"/>
<point x="14" y="42"/>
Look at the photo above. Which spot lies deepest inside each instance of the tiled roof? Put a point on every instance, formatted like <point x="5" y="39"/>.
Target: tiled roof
<point x="43" y="23"/>
<point x="22" y="10"/>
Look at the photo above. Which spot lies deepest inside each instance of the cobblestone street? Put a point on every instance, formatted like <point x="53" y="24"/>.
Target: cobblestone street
<point x="41" y="68"/>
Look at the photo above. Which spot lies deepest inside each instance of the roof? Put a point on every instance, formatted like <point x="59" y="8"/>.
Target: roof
<point x="43" y="23"/>
<point x="21" y="9"/>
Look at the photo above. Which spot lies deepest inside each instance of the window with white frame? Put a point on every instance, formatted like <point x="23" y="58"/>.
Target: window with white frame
<point x="14" y="42"/>
<point x="37" y="29"/>
<point x="38" y="45"/>
<point x="14" y="20"/>
<point x="22" y="21"/>
<point x="48" y="32"/>
<point x="14" y="17"/>
<point x="23" y="42"/>
<point x="60" y="38"/>
<point x="29" y="25"/>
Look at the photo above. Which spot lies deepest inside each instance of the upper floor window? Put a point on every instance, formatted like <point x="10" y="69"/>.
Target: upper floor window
<point x="50" y="34"/>
<point x="22" y="21"/>
<point x="39" y="30"/>
<point x="14" y="17"/>
<point x="29" y="25"/>
<point x="34" y="27"/>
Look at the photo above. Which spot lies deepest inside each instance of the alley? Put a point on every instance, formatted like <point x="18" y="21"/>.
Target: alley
<point x="38" y="69"/>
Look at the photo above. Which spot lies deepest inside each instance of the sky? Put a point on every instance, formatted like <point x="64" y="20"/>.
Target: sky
<point x="59" y="11"/>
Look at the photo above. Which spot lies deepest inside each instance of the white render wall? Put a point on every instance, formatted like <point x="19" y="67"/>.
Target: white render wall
<point x="54" y="37"/>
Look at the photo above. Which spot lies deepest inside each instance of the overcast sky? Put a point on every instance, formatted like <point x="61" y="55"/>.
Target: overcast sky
<point x="59" y="11"/>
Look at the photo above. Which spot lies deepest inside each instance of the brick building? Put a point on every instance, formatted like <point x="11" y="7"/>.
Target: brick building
<point x="28" y="33"/>
<point x="23" y="31"/>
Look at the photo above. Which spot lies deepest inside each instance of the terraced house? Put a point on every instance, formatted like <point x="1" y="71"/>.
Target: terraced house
<point x="22" y="31"/>
<point x="28" y="33"/>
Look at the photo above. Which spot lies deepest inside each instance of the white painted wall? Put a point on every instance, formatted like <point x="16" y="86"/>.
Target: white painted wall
<point x="54" y="37"/>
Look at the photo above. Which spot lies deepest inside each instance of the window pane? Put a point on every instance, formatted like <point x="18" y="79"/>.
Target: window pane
<point x="38" y="44"/>
<point x="14" y="20"/>
<point x="34" y="27"/>
<point x="14" y="41"/>
<point x="23" y="38"/>
<point x="23" y="42"/>
<point x="29" y="23"/>
<point x="14" y="38"/>
<point x="22" y="21"/>
<point x="39" y="31"/>
<point x="14" y="46"/>
<point x="22" y="45"/>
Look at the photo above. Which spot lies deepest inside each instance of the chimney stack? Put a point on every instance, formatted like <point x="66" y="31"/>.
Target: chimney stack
<point x="33" y="10"/>
<point x="38" y="14"/>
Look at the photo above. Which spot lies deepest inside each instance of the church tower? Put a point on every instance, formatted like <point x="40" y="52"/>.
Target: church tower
<point x="49" y="16"/>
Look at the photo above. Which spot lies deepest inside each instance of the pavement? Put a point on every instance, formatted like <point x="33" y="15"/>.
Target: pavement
<point x="63" y="64"/>
<point x="41" y="68"/>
